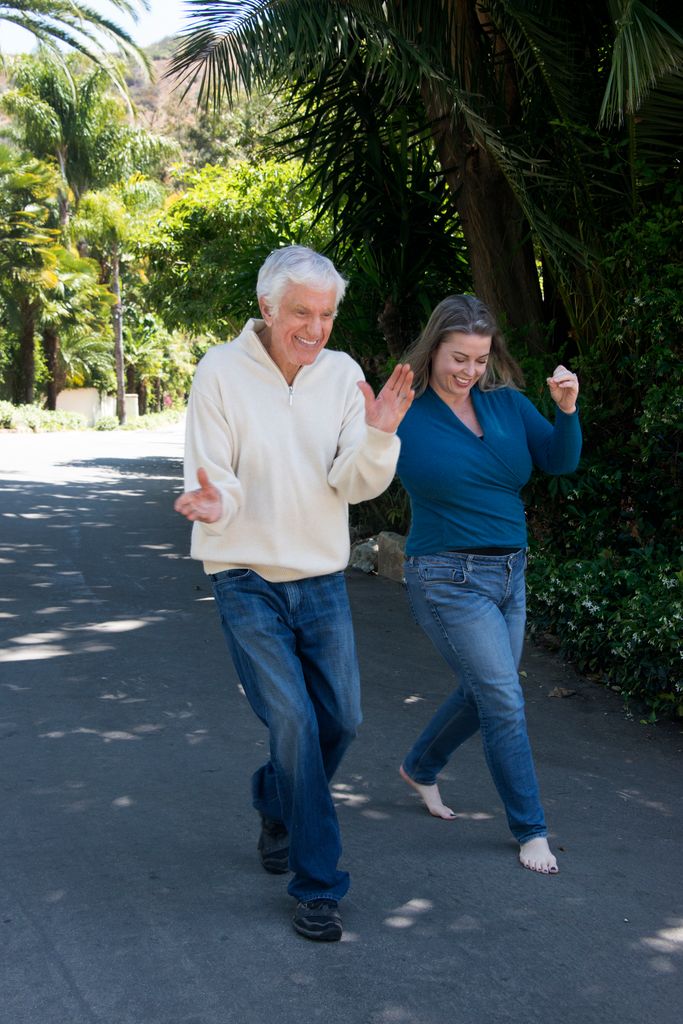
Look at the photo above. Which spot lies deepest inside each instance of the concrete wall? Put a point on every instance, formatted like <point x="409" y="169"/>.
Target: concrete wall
<point x="86" y="401"/>
<point x="93" y="405"/>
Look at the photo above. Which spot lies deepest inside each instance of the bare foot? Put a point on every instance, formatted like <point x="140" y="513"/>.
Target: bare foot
<point x="536" y="856"/>
<point x="430" y="796"/>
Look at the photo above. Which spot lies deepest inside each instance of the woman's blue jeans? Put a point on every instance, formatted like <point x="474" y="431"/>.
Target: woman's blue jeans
<point x="473" y="608"/>
<point x="294" y="651"/>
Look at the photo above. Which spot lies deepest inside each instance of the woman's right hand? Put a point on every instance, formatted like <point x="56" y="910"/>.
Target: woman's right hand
<point x="203" y="504"/>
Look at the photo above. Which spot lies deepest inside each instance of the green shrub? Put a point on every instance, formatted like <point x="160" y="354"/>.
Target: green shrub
<point x="154" y="420"/>
<point x="31" y="418"/>
<point x="618" y="618"/>
<point x="606" y="569"/>
<point x="106" y="423"/>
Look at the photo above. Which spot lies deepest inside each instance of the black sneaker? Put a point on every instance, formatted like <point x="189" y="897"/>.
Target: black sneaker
<point x="273" y="846"/>
<point x="319" y="920"/>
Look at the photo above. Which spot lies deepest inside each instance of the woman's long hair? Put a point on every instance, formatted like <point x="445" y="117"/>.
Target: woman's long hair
<point x="465" y="314"/>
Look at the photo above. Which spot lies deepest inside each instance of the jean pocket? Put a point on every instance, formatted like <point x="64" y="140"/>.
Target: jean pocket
<point x="442" y="572"/>
<point x="229" y="574"/>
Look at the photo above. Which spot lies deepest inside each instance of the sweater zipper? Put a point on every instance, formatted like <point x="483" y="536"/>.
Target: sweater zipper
<point x="291" y="393"/>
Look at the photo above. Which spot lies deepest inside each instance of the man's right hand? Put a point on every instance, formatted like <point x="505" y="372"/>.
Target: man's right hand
<point x="204" y="504"/>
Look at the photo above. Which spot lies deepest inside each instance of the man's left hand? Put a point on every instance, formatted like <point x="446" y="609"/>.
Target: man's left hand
<point x="392" y="403"/>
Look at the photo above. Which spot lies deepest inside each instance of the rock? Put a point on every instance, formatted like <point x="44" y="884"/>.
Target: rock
<point x="561" y="691"/>
<point x="364" y="555"/>
<point x="391" y="555"/>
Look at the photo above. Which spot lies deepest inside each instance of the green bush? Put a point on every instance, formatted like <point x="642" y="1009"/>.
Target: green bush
<point x="606" y="572"/>
<point x="618" y="618"/>
<point x="154" y="420"/>
<point x="31" y="418"/>
<point x="106" y="423"/>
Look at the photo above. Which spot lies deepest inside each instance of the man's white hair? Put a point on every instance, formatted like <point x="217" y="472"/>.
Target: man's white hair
<point x="296" y="264"/>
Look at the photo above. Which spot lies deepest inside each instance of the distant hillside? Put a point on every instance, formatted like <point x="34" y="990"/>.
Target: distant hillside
<point x="162" y="106"/>
<point x="159" y="104"/>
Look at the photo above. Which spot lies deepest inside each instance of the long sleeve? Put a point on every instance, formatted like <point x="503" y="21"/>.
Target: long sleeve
<point x="209" y="445"/>
<point x="366" y="458"/>
<point x="555" y="449"/>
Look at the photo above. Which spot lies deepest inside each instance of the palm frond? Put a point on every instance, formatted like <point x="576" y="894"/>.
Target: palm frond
<point x="229" y="46"/>
<point x="79" y="27"/>
<point x="645" y="49"/>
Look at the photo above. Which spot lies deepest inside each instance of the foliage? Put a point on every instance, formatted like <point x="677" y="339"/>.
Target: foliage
<point x="607" y="571"/>
<point x="29" y="253"/>
<point x="204" y="253"/>
<point x="396" y="233"/>
<point x="30" y="417"/>
<point x="245" y="132"/>
<point x="155" y="420"/>
<point x="150" y="421"/>
<point x="618" y="618"/>
<point x="536" y="116"/>
<point x="74" y="116"/>
<point x="106" y="423"/>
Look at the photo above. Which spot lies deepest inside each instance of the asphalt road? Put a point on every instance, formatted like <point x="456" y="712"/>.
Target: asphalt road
<point x="130" y="890"/>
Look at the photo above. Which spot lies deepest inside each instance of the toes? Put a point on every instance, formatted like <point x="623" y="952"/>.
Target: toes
<point x="442" y="812"/>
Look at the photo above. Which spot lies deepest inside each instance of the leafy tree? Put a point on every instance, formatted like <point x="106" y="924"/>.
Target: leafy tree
<point x="107" y="221"/>
<point x="29" y="253"/>
<point x="396" y="230"/>
<point x="74" y="117"/>
<point x="74" y="320"/>
<point x="511" y="93"/>
<point x="204" y="252"/>
<point x="244" y="132"/>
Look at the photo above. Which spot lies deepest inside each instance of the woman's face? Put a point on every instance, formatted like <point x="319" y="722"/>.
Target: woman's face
<point x="458" y="363"/>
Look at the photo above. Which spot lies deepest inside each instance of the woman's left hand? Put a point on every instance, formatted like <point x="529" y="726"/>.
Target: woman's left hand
<point x="564" y="389"/>
<point x="392" y="403"/>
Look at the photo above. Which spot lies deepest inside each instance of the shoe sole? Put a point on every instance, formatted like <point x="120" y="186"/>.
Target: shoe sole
<point x="326" y="934"/>
<point x="275" y="867"/>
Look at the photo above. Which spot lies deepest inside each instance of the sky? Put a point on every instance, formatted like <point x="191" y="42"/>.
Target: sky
<point x="164" y="18"/>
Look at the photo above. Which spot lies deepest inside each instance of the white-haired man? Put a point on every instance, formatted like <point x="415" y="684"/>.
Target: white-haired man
<point x="282" y="434"/>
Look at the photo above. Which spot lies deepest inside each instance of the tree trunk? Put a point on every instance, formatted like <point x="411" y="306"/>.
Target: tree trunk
<point x="117" y="320"/>
<point x="64" y="205"/>
<point x="27" y="355"/>
<point x="498" y="238"/>
<point x="496" y="231"/>
<point x="397" y="329"/>
<point x="51" y="350"/>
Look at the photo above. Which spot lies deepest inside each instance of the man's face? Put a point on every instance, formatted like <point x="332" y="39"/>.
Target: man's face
<point x="300" y="328"/>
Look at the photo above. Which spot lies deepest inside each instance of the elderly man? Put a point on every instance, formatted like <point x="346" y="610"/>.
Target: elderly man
<point x="281" y="436"/>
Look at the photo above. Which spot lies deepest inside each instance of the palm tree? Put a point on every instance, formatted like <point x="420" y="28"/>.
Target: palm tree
<point x="73" y="320"/>
<point x="510" y="93"/>
<point x="77" y="25"/>
<point x="78" y="120"/>
<point x="107" y="221"/>
<point x="28" y="255"/>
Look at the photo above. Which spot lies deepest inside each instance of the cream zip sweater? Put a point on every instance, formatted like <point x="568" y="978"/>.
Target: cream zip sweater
<point x="286" y="460"/>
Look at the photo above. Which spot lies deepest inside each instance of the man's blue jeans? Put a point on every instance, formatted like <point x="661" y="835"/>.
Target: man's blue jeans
<point x="473" y="608"/>
<point x="294" y="651"/>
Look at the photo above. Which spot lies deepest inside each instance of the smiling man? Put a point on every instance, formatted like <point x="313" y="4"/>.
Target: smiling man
<point x="282" y="434"/>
